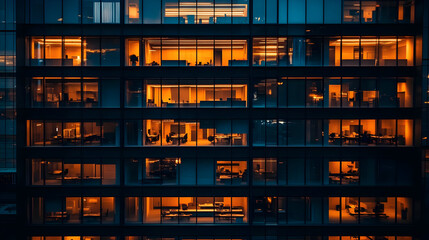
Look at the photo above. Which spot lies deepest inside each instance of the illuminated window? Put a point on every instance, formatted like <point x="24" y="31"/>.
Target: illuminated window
<point x="184" y="210"/>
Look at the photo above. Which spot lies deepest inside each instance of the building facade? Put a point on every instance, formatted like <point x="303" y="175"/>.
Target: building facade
<point x="221" y="119"/>
<point x="7" y="117"/>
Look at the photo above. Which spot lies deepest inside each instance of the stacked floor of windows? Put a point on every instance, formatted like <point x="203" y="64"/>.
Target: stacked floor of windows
<point x="221" y="171"/>
<point x="204" y="52"/>
<point x="283" y="92"/>
<point x="220" y="11"/>
<point x="223" y="210"/>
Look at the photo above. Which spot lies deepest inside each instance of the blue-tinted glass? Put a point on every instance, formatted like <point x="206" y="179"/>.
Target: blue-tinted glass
<point x="271" y="133"/>
<point x="259" y="133"/>
<point x="72" y="13"/>
<point x="10" y="14"/>
<point x="314" y="132"/>
<point x="36" y="11"/>
<point x="314" y="210"/>
<point x="282" y="132"/>
<point x="314" y="172"/>
<point x="296" y="11"/>
<point x="205" y="171"/>
<point x="271" y="11"/>
<point x="259" y="11"/>
<point x="387" y="92"/>
<point x="92" y="51"/>
<point x="296" y="92"/>
<point x="367" y="171"/>
<point x="91" y="11"/>
<point x="314" y="11"/>
<point x="282" y="11"/>
<point x="133" y="133"/>
<point x="53" y="9"/>
<point x="296" y="131"/>
<point x="296" y="47"/>
<point x="386" y="172"/>
<point x="151" y="11"/>
<point x="405" y="178"/>
<point x="3" y="13"/>
<point x="314" y="51"/>
<point x="110" y="51"/>
<point x="110" y="93"/>
<point x="332" y="11"/>
<point x="187" y="171"/>
<point x="296" y="209"/>
<point x="295" y="171"/>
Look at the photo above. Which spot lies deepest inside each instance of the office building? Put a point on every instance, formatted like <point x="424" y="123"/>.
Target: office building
<point x="222" y="119"/>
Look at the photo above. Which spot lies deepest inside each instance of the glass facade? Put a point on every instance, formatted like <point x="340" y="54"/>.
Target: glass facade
<point x="8" y="117"/>
<point x="216" y="119"/>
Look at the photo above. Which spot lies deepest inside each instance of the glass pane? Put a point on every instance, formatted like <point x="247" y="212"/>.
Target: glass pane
<point x="91" y="11"/>
<point x="296" y="12"/>
<point x="271" y="6"/>
<point x="151" y="11"/>
<point x="91" y="52"/>
<point x="73" y="12"/>
<point x="332" y="11"/>
<point x="72" y="51"/>
<point x="240" y="11"/>
<point x="133" y="11"/>
<point x="315" y="11"/>
<point x="110" y="52"/>
<point x="53" y="10"/>
<point x="258" y="11"/>
<point x="170" y="11"/>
